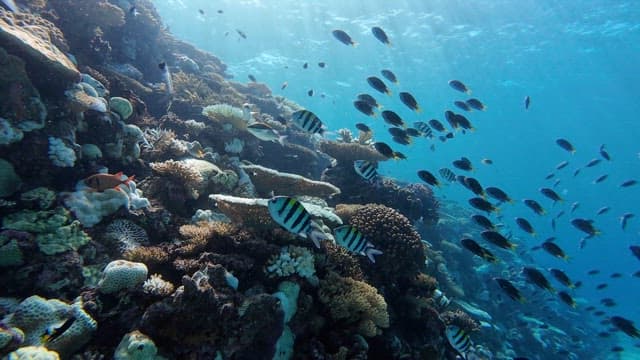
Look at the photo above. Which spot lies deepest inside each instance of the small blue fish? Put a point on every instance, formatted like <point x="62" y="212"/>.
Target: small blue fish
<point x="353" y="240"/>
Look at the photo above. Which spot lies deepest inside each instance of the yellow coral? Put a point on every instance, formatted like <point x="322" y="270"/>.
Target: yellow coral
<point x="354" y="302"/>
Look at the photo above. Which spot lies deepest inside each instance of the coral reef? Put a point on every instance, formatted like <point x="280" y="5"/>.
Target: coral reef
<point x="354" y="302"/>
<point x="122" y="274"/>
<point x="271" y="181"/>
<point x="347" y="153"/>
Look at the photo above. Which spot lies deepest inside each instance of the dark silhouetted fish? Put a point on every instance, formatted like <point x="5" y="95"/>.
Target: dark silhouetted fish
<point x="554" y="250"/>
<point x="585" y="226"/>
<point x="364" y="107"/>
<point x="635" y="250"/>
<point x="593" y="162"/>
<point x="410" y="101"/>
<point x="476" y="104"/>
<point x="310" y="92"/>
<point x="533" y="205"/>
<point x="624" y="219"/>
<point x="393" y="119"/>
<point x="550" y="194"/>
<point x="305" y="65"/>
<point x="343" y="37"/>
<point x="389" y="75"/>
<point x="562" y="277"/>
<point x="380" y="35"/>
<point x="428" y="177"/>
<point x="625" y="325"/>
<point x="322" y="64"/>
<point x="458" y="85"/>
<point x="510" y="290"/>
<point x="478" y="250"/>
<point x="566" y="145"/>
<point x="462" y="105"/>
<point x="498" y="239"/>
<point x="603" y="210"/>
<point x="387" y="152"/>
<point x="451" y="118"/>
<point x="562" y="165"/>
<point x="498" y="194"/>
<point x="363" y="127"/>
<point x="574" y="206"/>
<point x="378" y="85"/>
<point x="486" y="161"/>
<point x="600" y="179"/>
<point x="566" y="298"/>
<point x="474" y="185"/>
<point x="527" y="102"/>
<point x="463" y="122"/>
<point x="463" y="164"/>
<point x="483" y="221"/>
<point x="628" y="183"/>
<point x="437" y="125"/>
<point x="525" y="225"/>
<point x="369" y="100"/>
<point x="604" y="153"/>
<point x="537" y="278"/>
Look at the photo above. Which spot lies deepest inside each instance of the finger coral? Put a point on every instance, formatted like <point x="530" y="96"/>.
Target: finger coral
<point x="354" y="302"/>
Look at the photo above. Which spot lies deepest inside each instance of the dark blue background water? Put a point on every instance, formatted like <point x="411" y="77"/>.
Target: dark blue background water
<point x="577" y="60"/>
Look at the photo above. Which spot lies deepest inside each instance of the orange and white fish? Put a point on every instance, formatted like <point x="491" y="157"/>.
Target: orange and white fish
<point x="102" y="182"/>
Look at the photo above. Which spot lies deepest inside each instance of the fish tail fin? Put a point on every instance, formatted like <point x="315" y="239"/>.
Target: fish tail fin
<point x="281" y="139"/>
<point x="354" y="43"/>
<point x="315" y="234"/>
<point x="418" y="109"/>
<point x="371" y="253"/>
<point x="513" y="246"/>
<point x="389" y="92"/>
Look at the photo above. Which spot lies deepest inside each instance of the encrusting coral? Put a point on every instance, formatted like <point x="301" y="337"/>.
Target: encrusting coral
<point x="347" y="153"/>
<point x="354" y="302"/>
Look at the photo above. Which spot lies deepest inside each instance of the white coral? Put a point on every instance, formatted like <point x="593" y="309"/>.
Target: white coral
<point x="292" y="260"/>
<point x="156" y="285"/>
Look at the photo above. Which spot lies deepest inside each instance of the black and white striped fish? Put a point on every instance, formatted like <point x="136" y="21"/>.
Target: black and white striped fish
<point x="366" y="169"/>
<point x="293" y="217"/>
<point x="353" y="240"/>
<point x="440" y="298"/>
<point x="424" y="128"/>
<point x="447" y="174"/>
<point x="307" y="121"/>
<point x="459" y="340"/>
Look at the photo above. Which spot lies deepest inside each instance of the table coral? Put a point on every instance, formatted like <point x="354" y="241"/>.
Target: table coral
<point x="268" y="180"/>
<point x="354" y="302"/>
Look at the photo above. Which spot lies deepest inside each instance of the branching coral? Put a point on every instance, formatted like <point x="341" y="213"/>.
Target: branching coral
<point x="191" y="89"/>
<point x="180" y="175"/>
<point x="156" y="285"/>
<point x="292" y="260"/>
<point x="198" y="235"/>
<point x="354" y="302"/>
<point x="150" y="255"/>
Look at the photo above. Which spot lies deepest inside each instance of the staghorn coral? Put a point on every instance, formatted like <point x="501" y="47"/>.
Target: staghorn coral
<point x="191" y="89"/>
<point x="347" y="153"/>
<point x="268" y="181"/>
<point x="460" y="319"/>
<point x="150" y="255"/>
<point x="180" y="176"/>
<point x="393" y="234"/>
<point x="198" y="235"/>
<point x="354" y="302"/>
<point x="292" y="260"/>
<point x="156" y="285"/>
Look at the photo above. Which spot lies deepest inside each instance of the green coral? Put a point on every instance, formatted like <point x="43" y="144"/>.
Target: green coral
<point x="42" y="196"/>
<point x="55" y="232"/>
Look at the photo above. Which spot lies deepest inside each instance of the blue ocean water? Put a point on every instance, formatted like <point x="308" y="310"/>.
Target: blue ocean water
<point x="577" y="60"/>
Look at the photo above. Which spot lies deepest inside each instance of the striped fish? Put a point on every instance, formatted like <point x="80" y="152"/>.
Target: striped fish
<point x="447" y="174"/>
<point x="459" y="340"/>
<point x="353" y="240"/>
<point x="307" y="121"/>
<point x="293" y="217"/>
<point x="440" y="298"/>
<point x="424" y="128"/>
<point x="366" y="169"/>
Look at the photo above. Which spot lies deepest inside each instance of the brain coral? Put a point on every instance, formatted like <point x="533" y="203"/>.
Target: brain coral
<point x="122" y="274"/>
<point x="354" y="302"/>
<point x="393" y="234"/>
